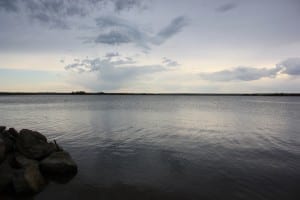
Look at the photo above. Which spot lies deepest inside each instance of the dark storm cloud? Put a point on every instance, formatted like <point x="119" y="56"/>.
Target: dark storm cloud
<point x="111" y="74"/>
<point x="123" y="31"/>
<point x="227" y="7"/>
<point x="170" y="63"/>
<point x="290" y="67"/>
<point x="56" y="12"/>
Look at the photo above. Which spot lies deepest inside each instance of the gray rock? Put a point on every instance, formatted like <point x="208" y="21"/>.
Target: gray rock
<point x="2" y="150"/>
<point x="34" y="145"/>
<point x="59" y="166"/>
<point x="29" y="180"/>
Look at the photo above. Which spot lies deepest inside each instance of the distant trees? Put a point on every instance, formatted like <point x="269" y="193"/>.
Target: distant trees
<point x="78" y="92"/>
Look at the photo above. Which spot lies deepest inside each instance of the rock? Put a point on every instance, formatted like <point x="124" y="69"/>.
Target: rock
<point x="59" y="166"/>
<point x="34" y="145"/>
<point x="13" y="133"/>
<point x="34" y="133"/>
<point x="2" y="128"/>
<point x="29" y="180"/>
<point x="21" y="161"/>
<point x="2" y="150"/>
<point x="9" y="143"/>
<point x="20" y="169"/>
<point x="6" y="176"/>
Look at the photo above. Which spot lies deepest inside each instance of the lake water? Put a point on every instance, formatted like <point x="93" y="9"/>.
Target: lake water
<point x="168" y="147"/>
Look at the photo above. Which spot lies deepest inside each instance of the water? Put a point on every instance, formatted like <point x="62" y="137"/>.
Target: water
<point x="169" y="147"/>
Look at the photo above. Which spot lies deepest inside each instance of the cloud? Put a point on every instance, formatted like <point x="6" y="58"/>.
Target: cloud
<point x="113" y="37"/>
<point x="124" y="61"/>
<point x="170" y="63"/>
<point x="119" y="31"/>
<point x="290" y="67"/>
<point x="9" y="5"/>
<point x="112" y="54"/>
<point x="112" y="74"/>
<point x="121" y="5"/>
<point x="56" y="13"/>
<point x="174" y="27"/>
<point x="226" y="7"/>
<point x="239" y="73"/>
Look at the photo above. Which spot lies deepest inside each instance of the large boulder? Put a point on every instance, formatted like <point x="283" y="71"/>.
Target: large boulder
<point x="20" y="161"/>
<point x="59" y="166"/>
<point x="2" y="150"/>
<point x="33" y="133"/>
<point x="2" y="128"/>
<point x="6" y="175"/>
<point x="8" y="141"/>
<point x="13" y="133"/>
<point x="34" y="145"/>
<point x="29" y="180"/>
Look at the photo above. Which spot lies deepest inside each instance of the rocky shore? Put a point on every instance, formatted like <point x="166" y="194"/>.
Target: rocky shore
<point x="28" y="162"/>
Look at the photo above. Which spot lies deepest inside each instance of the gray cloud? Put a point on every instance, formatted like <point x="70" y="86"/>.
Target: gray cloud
<point x="290" y="67"/>
<point x="113" y="37"/>
<point x="121" y="5"/>
<point x="174" y="27"/>
<point x="226" y="7"/>
<point x="9" y="5"/>
<point x="124" y="61"/>
<point x="112" y="74"/>
<point x="122" y="31"/>
<point x="239" y="73"/>
<point x="170" y="63"/>
<point x="55" y="13"/>
<point x="112" y="54"/>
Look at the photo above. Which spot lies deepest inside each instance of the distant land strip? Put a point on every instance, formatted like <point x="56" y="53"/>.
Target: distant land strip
<point x="124" y="93"/>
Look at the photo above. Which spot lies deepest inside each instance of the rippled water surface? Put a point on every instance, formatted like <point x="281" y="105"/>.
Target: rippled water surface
<point x="169" y="147"/>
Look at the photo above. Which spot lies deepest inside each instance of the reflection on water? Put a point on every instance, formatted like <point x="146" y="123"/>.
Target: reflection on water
<point x="168" y="147"/>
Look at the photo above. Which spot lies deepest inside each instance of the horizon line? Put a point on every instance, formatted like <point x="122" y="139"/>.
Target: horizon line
<point x="153" y="93"/>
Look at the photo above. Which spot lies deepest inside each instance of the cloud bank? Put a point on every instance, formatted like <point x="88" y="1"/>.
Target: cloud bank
<point x="116" y="31"/>
<point x="112" y="74"/>
<point x="55" y="13"/>
<point x="289" y="67"/>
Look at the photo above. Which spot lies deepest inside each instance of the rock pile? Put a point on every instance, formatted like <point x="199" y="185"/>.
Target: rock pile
<point x="28" y="161"/>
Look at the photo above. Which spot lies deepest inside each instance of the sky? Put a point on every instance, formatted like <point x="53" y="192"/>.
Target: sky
<point x="158" y="46"/>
